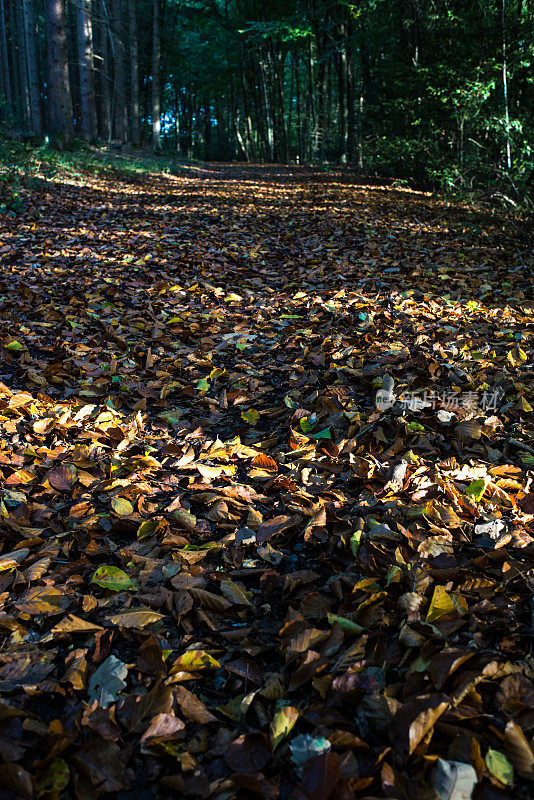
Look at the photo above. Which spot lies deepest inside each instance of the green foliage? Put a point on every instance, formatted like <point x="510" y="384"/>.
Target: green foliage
<point x="23" y="165"/>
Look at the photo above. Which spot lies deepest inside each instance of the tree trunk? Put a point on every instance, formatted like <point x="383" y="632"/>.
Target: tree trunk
<point x="351" y="96"/>
<point x="322" y="86"/>
<point x="58" y="90"/>
<point x="300" y="141"/>
<point x="11" y="25"/>
<point x="156" y="59"/>
<point x="22" y="58"/>
<point x="313" y="130"/>
<point x="505" y="85"/>
<point x="102" y="72"/>
<point x="207" y="132"/>
<point x="269" y="126"/>
<point x="86" y="66"/>
<point x="6" y="73"/>
<point x="342" y="87"/>
<point x="119" y="89"/>
<point x="134" y="75"/>
<point x="34" y="88"/>
<point x="177" y="120"/>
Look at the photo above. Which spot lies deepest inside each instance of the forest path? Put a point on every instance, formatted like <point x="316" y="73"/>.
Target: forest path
<point x="202" y="505"/>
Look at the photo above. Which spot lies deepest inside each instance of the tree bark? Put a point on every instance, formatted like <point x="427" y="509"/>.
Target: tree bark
<point x="7" y="88"/>
<point x="34" y="87"/>
<point x="505" y="85"/>
<point x="134" y="75"/>
<point x="313" y="129"/>
<point x="300" y="141"/>
<point x="156" y="59"/>
<point x="22" y="59"/>
<point x="351" y="96"/>
<point x="102" y="75"/>
<point x="58" y="90"/>
<point x="119" y="89"/>
<point x="86" y="67"/>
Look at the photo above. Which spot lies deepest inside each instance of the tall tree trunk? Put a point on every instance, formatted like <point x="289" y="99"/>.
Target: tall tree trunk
<point x="58" y="89"/>
<point x="207" y="131"/>
<point x="277" y="64"/>
<point x="119" y="88"/>
<point x="269" y="125"/>
<point x="102" y="73"/>
<point x="246" y="145"/>
<point x="11" y="24"/>
<point x="300" y="142"/>
<point x="313" y="130"/>
<point x="505" y="85"/>
<point x="351" y="96"/>
<point x="177" y="120"/>
<point x="22" y="59"/>
<point x="134" y="75"/>
<point x="342" y="78"/>
<point x="34" y="88"/>
<point x="156" y="59"/>
<point x="7" y="88"/>
<point x="86" y="66"/>
<point x="322" y="86"/>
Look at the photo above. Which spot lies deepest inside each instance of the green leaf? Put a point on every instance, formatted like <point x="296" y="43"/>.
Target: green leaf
<point x="203" y="385"/>
<point x="415" y="427"/>
<point x="112" y="578"/>
<point x="500" y="767"/>
<point x="185" y="518"/>
<point x="146" y="528"/>
<point x="290" y="403"/>
<point x="324" y="434"/>
<point x="282" y="724"/>
<point x="54" y="779"/>
<point x="307" y="424"/>
<point x="345" y="624"/>
<point x="476" y="489"/>
<point x="355" y="542"/>
<point x="251" y="416"/>
<point x="14" y="345"/>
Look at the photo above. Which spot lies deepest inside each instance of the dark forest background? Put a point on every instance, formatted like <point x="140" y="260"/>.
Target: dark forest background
<point x="437" y="91"/>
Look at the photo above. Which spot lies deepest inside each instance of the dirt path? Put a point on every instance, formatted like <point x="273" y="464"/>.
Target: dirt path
<point x="226" y="571"/>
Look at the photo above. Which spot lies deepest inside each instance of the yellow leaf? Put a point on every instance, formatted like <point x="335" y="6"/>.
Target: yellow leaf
<point x="134" y="619"/>
<point x="282" y="724"/>
<point x="194" y="661"/>
<point x="443" y="603"/>
<point x="73" y="624"/>
<point x="121" y="506"/>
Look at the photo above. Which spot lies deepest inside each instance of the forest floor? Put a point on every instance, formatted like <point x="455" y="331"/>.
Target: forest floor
<point x="227" y="569"/>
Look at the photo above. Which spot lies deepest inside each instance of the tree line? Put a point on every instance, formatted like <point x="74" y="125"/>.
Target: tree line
<point x="436" y="90"/>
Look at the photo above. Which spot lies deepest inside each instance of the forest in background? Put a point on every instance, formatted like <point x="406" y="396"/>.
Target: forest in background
<point x="437" y="91"/>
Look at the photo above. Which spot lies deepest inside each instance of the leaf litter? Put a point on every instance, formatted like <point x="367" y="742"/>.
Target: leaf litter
<point x="267" y="507"/>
